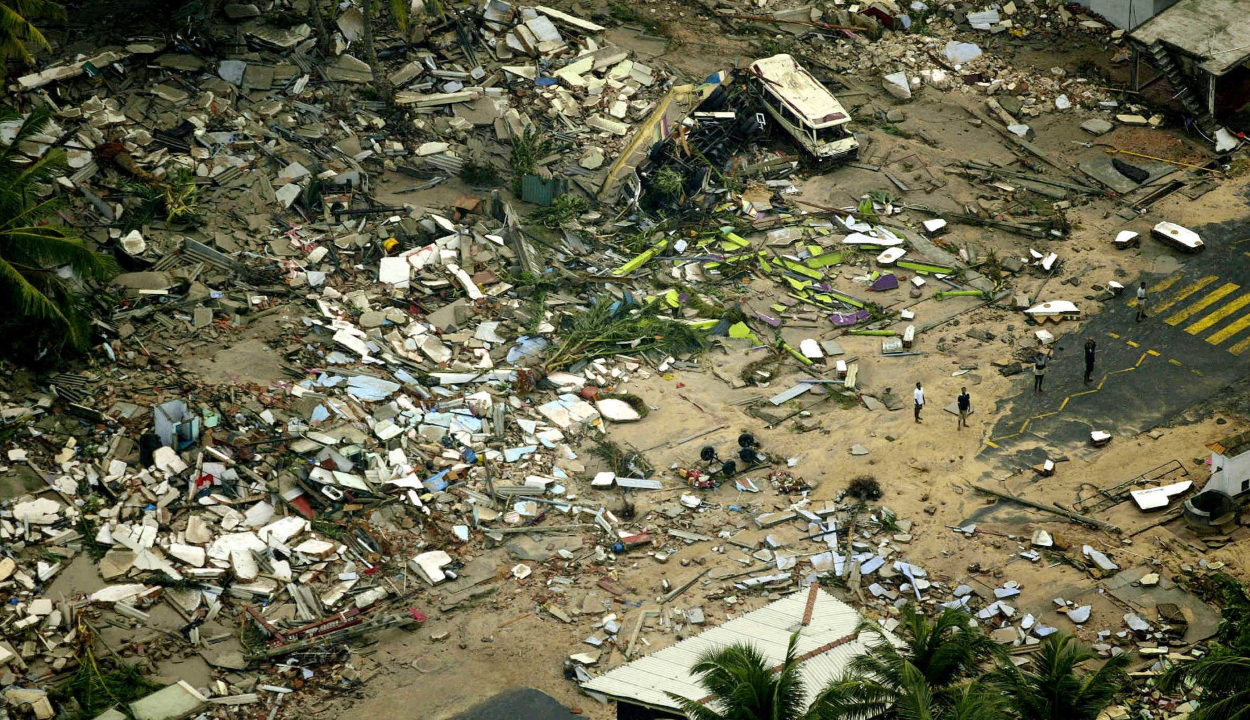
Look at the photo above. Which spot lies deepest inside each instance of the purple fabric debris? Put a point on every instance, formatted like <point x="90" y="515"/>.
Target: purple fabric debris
<point x="885" y="282"/>
<point x="772" y="321"/>
<point x="844" y="319"/>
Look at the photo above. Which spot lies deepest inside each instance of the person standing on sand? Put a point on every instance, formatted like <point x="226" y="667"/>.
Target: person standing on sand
<point x="965" y="407"/>
<point x="919" y="397"/>
<point x="1141" y="301"/>
<point x="1039" y="371"/>
<point x="1090" y="348"/>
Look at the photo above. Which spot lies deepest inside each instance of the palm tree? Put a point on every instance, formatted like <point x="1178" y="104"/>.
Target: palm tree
<point x="742" y="686"/>
<point x="916" y="701"/>
<point x="32" y="247"/>
<point x="1223" y="680"/>
<point x="931" y="668"/>
<point x="1056" y="689"/>
<point x="18" y="34"/>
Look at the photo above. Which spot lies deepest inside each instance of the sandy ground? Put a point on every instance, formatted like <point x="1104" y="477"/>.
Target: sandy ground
<point x="508" y="640"/>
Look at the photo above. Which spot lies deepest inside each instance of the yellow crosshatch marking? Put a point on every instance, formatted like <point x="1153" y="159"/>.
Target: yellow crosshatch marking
<point x="1181" y="294"/>
<point x="1228" y="332"/>
<point x="1219" y="315"/>
<point x="1211" y="298"/>
<point x="1162" y="285"/>
<point x="1240" y="347"/>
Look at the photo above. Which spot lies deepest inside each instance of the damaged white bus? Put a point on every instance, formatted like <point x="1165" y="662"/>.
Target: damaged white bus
<point x="807" y="111"/>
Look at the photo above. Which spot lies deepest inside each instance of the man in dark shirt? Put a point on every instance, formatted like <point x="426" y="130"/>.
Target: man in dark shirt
<point x="965" y="407"/>
<point x="1090" y="348"/>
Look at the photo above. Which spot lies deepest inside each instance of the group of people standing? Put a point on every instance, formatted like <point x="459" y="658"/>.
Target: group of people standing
<point x="964" y="400"/>
<point x="1040" y="361"/>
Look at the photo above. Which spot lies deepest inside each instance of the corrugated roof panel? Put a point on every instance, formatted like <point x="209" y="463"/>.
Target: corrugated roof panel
<point x="649" y="679"/>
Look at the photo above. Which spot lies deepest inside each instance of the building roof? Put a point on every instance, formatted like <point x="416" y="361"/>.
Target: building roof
<point x="1216" y="32"/>
<point x="802" y="92"/>
<point x="1233" y="445"/>
<point x="825" y="647"/>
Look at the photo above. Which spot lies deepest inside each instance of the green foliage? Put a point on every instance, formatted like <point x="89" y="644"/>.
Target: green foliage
<point x="527" y="149"/>
<point x="96" y="688"/>
<point x="1055" y="688"/>
<point x="669" y="183"/>
<point x="562" y="209"/>
<point x="610" y="327"/>
<point x="743" y="684"/>
<point x="17" y="31"/>
<point x="87" y="529"/>
<point x="926" y="677"/>
<point x="33" y="245"/>
<point x="1230" y="595"/>
<point x="1223" y="683"/>
<point x="1222" y="678"/>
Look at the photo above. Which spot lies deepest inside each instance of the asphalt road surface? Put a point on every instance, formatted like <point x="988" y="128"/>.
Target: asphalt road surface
<point x="1194" y="343"/>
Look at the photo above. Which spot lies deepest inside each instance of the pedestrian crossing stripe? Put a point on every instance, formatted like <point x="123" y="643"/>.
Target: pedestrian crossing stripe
<point x="1202" y="313"/>
<point x="1217" y="316"/>
<point x="1207" y="301"/>
<point x="1230" y="330"/>
<point x="1180" y="295"/>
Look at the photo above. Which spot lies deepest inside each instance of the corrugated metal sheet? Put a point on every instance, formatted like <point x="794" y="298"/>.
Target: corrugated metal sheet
<point x="648" y="680"/>
<point x="542" y="191"/>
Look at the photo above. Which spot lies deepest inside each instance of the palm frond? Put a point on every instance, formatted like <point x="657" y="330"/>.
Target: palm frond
<point x="33" y="124"/>
<point x="48" y="246"/>
<point x="1223" y="680"/>
<point x="16" y="32"/>
<point x="25" y="296"/>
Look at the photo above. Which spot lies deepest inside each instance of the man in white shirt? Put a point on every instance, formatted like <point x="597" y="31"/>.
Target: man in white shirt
<point x="1141" y="301"/>
<point x="919" y="396"/>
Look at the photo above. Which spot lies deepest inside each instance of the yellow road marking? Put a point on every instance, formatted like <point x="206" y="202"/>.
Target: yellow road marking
<point x="1039" y="417"/>
<point x="1064" y="404"/>
<point x="1142" y="359"/>
<point x="1162" y="285"/>
<point x="1231" y="330"/>
<point x="991" y="444"/>
<point x="1132" y="344"/>
<point x="1207" y="301"/>
<point x="1219" y="315"/>
<point x="1199" y="372"/>
<point x="1153" y="353"/>
<point x="1183" y="293"/>
<point x="1176" y="362"/>
<point x="1240" y="347"/>
<point x="1111" y="334"/>
<point x="1087" y="392"/>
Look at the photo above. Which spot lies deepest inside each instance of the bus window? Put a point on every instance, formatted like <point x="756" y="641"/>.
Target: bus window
<point x="830" y="134"/>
